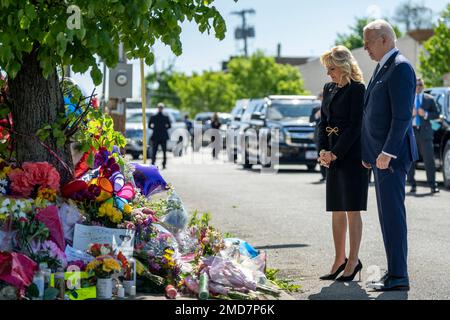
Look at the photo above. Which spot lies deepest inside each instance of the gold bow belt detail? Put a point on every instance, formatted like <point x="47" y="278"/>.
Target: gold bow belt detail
<point x="331" y="130"/>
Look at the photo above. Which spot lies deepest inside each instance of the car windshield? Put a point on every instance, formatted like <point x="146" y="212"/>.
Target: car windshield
<point x="177" y="116"/>
<point x="439" y="98"/>
<point x="136" y="118"/>
<point x="290" y="109"/>
<point x="133" y="133"/>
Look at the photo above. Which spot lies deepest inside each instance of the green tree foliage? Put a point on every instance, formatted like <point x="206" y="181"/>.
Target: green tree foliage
<point x="159" y="90"/>
<point x="355" y="39"/>
<point x="209" y="91"/>
<point x="259" y="76"/>
<point x="253" y="77"/>
<point x="38" y="36"/>
<point x="103" y="24"/>
<point x="435" y="56"/>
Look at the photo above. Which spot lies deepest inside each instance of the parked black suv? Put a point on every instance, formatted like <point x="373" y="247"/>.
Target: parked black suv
<point x="441" y="129"/>
<point x="289" y="115"/>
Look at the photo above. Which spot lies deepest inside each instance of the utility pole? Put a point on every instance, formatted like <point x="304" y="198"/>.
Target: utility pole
<point x="244" y="32"/>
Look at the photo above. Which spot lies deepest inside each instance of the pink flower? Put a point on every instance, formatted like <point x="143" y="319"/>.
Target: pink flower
<point x="55" y="252"/>
<point x="42" y="174"/>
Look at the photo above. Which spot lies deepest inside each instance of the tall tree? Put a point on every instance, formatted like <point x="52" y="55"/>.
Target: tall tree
<point x="259" y="76"/>
<point x="355" y="39"/>
<point x="209" y="91"/>
<point x="37" y="36"/>
<point x="413" y="15"/>
<point x="158" y="87"/>
<point x="435" y="56"/>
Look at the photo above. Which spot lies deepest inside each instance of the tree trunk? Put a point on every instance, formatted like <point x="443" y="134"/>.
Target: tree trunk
<point x="36" y="102"/>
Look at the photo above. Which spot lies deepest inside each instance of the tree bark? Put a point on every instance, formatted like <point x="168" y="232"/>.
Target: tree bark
<point x="36" y="102"/>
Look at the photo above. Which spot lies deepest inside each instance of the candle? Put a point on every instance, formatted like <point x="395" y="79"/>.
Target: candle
<point x="171" y="292"/>
<point x="133" y="291"/>
<point x="120" y="291"/>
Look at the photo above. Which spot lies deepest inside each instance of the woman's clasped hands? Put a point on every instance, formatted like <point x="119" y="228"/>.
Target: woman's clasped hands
<point x="326" y="157"/>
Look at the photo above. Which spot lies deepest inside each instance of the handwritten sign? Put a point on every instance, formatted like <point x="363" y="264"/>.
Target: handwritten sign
<point x="119" y="239"/>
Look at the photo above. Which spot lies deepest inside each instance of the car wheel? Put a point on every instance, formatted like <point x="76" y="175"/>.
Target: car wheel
<point x="246" y="164"/>
<point x="312" y="167"/>
<point x="135" y="156"/>
<point x="446" y="165"/>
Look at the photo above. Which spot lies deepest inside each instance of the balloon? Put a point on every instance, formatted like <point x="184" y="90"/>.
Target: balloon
<point x="127" y="192"/>
<point x="148" y="179"/>
<point x="118" y="180"/>
<point x="120" y="203"/>
<point x="105" y="187"/>
<point x="73" y="187"/>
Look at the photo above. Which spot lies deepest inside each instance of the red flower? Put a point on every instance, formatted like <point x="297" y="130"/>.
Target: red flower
<point x="122" y="259"/>
<point x="34" y="174"/>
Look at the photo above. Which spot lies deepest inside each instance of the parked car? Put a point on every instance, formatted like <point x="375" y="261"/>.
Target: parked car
<point x="290" y="116"/>
<point x="441" y="129"/>
<point x="233" y="127"/>
<point x="203" y="120"/>
<point x="134" y="132"/>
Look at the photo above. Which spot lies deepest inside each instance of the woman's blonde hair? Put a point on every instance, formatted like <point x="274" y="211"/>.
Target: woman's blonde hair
<point x="340" y="57"/>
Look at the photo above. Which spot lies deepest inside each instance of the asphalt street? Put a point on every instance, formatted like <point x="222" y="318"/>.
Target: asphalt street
<point x="284" y="214"/>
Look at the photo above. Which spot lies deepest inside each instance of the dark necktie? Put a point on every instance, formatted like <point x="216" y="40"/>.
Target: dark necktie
<point x="375" y="73"/>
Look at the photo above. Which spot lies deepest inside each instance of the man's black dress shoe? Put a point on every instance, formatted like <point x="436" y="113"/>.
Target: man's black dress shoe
<point x="413" y="189"/>
<point x="434" y="190"/>
<point x="395" y="284"/>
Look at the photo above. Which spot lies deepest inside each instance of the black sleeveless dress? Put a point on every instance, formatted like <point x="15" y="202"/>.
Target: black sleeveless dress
<point x="340" y="132"/>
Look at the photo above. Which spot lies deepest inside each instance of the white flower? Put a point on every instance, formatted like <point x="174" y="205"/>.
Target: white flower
<point x="104" y="251"/>
<point x="6" y="202"/>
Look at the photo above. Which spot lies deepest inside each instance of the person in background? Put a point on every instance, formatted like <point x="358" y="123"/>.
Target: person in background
<point x="190" y="129"/>
<point x="215" y="124"/>
<point x="315" y="118"/>
<point x="424" y="110"/>
<point x="160" y="124"/>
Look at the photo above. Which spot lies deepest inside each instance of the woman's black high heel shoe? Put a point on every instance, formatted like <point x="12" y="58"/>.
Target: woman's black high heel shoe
<point x="358" y="269"/>
<point x="332" y="276"/>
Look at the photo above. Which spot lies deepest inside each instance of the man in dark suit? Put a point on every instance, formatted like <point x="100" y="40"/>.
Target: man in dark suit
<point x="388" y="144"/>
<point x="160" y="124"/>
<point x="424" y="110"/>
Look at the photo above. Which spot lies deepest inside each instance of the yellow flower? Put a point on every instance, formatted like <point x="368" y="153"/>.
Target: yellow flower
<point x="110" y="265"/>
<point x="127" y="209"/>
<point x="47" y="193"/>
<point x="169" y="251"/>
<point x="2" y="217"/>
<point x="93" y="264"/>
<point x="5" y="172"/>
<point x="108" y="210"/>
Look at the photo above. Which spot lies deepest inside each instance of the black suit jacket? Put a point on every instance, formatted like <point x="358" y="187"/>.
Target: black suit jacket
<point x="160" y="124"/>
<point x="429" y="105"/>
<point x="342" y="109"/>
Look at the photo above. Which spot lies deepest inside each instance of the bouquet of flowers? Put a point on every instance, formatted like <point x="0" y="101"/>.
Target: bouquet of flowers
<point x="105" y="263"/>
<point x="27" y="181"/>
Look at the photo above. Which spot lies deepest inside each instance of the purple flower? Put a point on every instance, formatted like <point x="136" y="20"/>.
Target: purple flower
<point x="55" y="252"/>
<point x="101" y="157"/>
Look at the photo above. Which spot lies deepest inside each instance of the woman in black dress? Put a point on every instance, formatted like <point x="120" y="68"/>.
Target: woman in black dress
<point x="340" y="145"/>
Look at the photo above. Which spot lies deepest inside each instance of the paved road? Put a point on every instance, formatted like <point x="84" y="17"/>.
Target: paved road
<point x="285" y="215"/>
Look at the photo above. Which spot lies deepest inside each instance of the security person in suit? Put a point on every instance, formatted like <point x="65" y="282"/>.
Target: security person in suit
<point x="388" y="144"/>
<point x="160" y="124"/>
<point x="424" y="110"/>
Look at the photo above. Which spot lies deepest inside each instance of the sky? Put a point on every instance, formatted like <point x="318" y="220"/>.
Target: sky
<point x="302" y="27"/>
